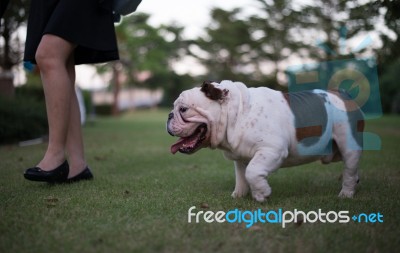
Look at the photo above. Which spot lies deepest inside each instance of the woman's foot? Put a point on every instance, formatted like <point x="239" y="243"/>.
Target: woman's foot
<point x="61" y="174"/>
<point x="86" y="174"/>
<point x="78" y="174"/>
<point x="57" y="175"/>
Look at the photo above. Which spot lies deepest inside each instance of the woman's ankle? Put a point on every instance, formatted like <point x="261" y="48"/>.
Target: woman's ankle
<point x="51" y="161"/>
<point x="76" y="166"/>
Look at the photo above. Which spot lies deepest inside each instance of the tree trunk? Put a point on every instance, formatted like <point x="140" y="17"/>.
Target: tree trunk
<point x="7" y="84"/>
<point x="117" y="87"/>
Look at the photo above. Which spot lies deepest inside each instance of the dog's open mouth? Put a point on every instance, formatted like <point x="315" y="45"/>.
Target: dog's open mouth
<point x="190" y="144"/>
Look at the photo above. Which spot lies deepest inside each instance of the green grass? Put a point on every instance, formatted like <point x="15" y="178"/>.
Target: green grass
<point x="141" y="194"/>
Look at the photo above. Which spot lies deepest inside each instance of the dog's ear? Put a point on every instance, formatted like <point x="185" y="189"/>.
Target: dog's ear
<point x="213" y="93"/>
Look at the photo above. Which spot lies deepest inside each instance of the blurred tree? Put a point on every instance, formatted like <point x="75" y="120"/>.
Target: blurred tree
<point x="147" y="48"/>
<point x="388" y="13"/>
<point x="390" y="56"/>
<point x="3" y="6"/>
<point x="11" y="47"/>
<point x="271" y="32"/>
<point x="322" y="28"/>
<point x="173" y="84"/>
<point x="227" y="50"/>
<point x="338" y="20"/>
<point x="389" y="84"/>
<point x="320" y="25"/>
<point x="331" y="23"/>
<point x="252" y="49"/>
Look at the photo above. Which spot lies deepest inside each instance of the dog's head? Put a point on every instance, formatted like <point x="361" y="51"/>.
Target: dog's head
<point x="196" y="118"/>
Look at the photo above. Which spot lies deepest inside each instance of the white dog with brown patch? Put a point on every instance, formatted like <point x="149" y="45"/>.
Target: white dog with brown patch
<point x="261" y="130"/>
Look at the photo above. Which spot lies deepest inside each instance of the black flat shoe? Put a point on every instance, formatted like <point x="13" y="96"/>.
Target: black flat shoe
<point x="86" y="174"/>
<point x="59" y="174"/>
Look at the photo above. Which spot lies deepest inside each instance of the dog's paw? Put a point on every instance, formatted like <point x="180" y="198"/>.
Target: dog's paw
<point x="261" y="195"/>
<point x="239" y="193"/>
<point x="346" y="194"/>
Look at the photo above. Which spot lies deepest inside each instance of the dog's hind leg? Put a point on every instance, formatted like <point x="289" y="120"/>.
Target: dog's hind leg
<point x="350" y="149"/>
<point x="350" y="173"/>
<point x="348" y="130"/>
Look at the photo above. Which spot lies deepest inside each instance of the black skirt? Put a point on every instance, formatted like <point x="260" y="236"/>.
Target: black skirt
<point x="82" y="22"/>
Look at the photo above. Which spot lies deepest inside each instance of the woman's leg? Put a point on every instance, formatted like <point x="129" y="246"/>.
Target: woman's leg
<point x="74" y="144"/>
<point x="52" y="57"/>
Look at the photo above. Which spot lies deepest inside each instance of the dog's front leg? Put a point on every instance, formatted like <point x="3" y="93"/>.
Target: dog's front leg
<point x="241" y="187"/>
<point x="262" y="164"/>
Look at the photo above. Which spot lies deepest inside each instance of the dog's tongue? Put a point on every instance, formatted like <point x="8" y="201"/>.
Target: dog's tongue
<point x="175" y="147"/>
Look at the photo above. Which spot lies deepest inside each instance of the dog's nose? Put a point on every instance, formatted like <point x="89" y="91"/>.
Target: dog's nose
<point x="170" y="116"/>
<point x="170" y="133"/>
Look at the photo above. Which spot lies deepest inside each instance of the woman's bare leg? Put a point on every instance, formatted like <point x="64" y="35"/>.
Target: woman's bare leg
<point x="52" y="56"/>
<point x="74" y="144"/>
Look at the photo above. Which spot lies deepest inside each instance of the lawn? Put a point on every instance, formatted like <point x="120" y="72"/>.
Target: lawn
<point x="141" y="194"/>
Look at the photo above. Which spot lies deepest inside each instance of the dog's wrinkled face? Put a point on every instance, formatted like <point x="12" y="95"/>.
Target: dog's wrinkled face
<point x="195" y="111"/>
<point x="187" y="122"/>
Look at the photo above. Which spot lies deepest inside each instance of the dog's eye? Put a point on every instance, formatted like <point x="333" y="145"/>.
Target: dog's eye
<point x="183" y="109"/>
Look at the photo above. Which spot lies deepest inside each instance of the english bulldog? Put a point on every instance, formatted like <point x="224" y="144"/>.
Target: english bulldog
<point x="261" y="130"/>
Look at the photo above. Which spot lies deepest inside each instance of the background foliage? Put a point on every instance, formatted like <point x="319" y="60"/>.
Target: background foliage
<point x="253" y="48"/>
